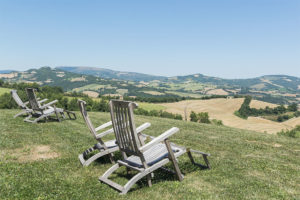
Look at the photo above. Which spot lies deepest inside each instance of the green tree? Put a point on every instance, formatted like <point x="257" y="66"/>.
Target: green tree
<point x="293" y="107"/>
<point x="203" y="117"/>
<point x="193" y="117"/>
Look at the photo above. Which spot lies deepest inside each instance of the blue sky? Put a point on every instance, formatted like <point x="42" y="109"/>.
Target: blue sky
<point x="229" y="39"/>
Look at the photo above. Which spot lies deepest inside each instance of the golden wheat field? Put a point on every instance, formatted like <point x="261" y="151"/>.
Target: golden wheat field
<point x="223" y="109"/>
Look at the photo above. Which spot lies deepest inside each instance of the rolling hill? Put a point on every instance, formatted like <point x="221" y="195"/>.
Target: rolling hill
<point x="279" y="89"/>
<point x="272" y="88"/>
<point x="263" y="83"/>
<point x="111" y="74"/>
<point x="70" y="81"/>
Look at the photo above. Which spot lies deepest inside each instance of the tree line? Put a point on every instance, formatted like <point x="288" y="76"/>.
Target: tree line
<point x="245" y="111"/>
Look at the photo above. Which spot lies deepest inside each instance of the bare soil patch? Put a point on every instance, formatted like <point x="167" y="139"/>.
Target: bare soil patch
<point x="31" y="153"/>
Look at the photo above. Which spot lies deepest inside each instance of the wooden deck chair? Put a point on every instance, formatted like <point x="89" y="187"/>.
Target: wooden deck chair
<point x="144" y="158"/>
<point x="103" y="148"/>
<point x="21" y="104"/>
<point x="42" y="111"/>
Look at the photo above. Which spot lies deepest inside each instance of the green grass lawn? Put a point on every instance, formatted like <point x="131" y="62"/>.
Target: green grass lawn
<point x="4" y="90"/>
<point x="245" y="164"/>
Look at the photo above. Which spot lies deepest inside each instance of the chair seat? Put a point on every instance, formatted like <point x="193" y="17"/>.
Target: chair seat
<point x="152" y="155"/>
<point x="50" y="110"/>
<point x="109" y="144"/>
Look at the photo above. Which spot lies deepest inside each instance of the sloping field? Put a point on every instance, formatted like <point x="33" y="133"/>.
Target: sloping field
<point x="261" y="104"/>
<point x="93" y="86"/>
<point x="4" y="90"/>
<point x="91" y="94"/>
<point x="40" y="161"/>
<point x="223" y="109"/>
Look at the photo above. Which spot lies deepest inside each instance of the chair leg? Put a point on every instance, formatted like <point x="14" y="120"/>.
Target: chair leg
<point x="149" y="175"/>
<point x="149" y="180"/>
<point x="111" y="158"/>
<point x="56" y="113"/>
<point x="173" y="159"/>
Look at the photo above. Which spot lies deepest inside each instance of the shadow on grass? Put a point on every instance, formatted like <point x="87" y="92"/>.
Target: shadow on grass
<point x="121" y="176"/>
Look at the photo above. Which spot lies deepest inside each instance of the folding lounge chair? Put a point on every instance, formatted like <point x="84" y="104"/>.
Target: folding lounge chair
<point x="21" y="104"/>
<point x="104" y="148"/>
<point x="42" y="111"/>
<point x="144" y="158"/>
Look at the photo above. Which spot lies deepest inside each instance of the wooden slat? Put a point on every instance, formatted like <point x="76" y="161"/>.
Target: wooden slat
<point x="112" y="184"/>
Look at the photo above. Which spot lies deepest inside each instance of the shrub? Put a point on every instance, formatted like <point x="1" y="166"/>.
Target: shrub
<point x="294" y="133"/>
<point x="297" y="114"/>
<point x="217" y="122"/>
<point x="293" y="107"/>
<point x="203" y="117"/>
<point x="193" y="117"/>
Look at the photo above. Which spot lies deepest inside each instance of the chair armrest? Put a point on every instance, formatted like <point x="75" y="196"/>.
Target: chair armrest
<point x="42" y="101"/>
<point x="143" y="127"/>
<point x="107" y="124"/>
<point x="100" y="135"/>
<point x="159" y="139"/>
<point x="48" y="104"/>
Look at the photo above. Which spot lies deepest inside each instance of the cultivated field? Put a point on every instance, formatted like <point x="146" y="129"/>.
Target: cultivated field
<point x="40" y="161"/>
<point x="91" y="94"/>
<point x="223" y="109"/>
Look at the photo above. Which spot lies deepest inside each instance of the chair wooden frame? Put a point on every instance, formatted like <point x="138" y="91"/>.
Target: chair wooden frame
<point x="42" y="111"/>
<point x="144" y="158"/>
<point x="104" y="148"/>
<point x="22" y="105"/>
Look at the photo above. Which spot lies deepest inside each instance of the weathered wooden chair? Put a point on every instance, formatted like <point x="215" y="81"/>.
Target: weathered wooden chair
<point x="21" y="104"/>
<point x="42" y="111"/>
<point x="104" y="148"/>
<point x="144" y="158"/>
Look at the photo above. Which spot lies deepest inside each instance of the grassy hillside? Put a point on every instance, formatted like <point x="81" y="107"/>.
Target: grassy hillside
<point x="245" y="164"/>
<point x="4" y="90"/>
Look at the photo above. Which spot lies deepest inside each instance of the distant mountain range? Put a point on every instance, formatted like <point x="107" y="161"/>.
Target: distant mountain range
<point x="264" y="83"/>
<point x="271" y="88"/>
<point x="111" y="74"/>
<point x="6" y="71"/>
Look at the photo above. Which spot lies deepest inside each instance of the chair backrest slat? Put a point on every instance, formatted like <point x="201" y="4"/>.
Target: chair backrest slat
<point x="124" y="126"/>
<point x="17" y="99"/>
<point x="88" y="122"/>
<point x="35" y="105"/>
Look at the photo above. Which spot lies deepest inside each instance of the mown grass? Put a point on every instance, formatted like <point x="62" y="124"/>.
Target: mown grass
<point x="245" y="164"/>
<point x="4" y="90"/>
